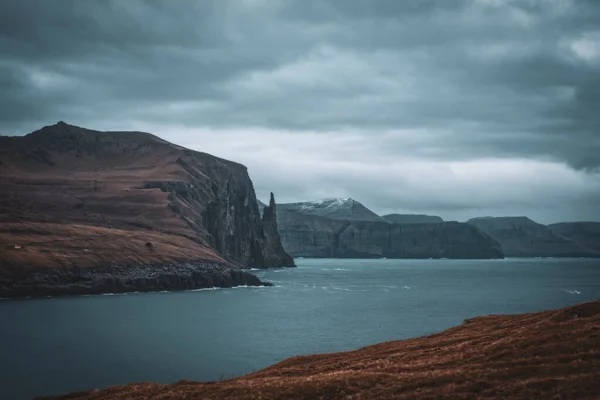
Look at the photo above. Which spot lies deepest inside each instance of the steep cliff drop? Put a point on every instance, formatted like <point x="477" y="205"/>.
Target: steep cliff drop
<point x="83" y="211"/>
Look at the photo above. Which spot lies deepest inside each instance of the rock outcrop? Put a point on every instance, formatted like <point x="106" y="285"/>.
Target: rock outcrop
<point x="127" y="185"/>
<point x="305" y="235"/>
<point x="522" y="237"/>
<point x="272" y="238"/>
<point x="413" y="219"/>
<point x="584" y="233"/>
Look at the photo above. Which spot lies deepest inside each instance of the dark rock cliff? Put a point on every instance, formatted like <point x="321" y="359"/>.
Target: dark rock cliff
<point x="413" y="219"/>
<point x="313" y="236"/>
<point x="522" y="237"/>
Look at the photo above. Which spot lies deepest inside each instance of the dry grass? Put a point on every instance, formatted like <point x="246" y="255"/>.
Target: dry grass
<point x="79" y="200"/>
<point x="548" y="355"/>
<point x="49" y="245"/>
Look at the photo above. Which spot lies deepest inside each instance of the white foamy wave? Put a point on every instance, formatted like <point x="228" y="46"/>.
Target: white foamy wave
<point x="573" y="291"/>
<point x="406" y="287"/>
<point x="203" y="289"/>
<point x="339" y="288"/>
<point x="119" y="294"/>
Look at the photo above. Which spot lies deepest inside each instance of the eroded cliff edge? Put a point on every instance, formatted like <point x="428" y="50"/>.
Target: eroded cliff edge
<point x="76" y="199"/>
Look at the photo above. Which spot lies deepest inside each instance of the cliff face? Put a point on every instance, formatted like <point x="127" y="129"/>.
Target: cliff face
<point x="413" y="219"/>
<point x="313" y="236"/>
<point x="522" y="237"/>
<point x="584" y="233"/>
<point x="125" y="185"/>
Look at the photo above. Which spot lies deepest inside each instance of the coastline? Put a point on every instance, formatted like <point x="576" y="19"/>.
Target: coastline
<point x="126" y="279"/>
<point x="549" y="354"/>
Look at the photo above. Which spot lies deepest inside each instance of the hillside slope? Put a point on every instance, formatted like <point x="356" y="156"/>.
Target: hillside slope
<point x="77" y="198"/>
<point x="546" y="355"/>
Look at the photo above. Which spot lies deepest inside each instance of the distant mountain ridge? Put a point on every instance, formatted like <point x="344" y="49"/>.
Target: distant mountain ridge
<point x="315" y="229"/>
<point x="585" y="233"/>
<point x="522" y="237"/>
<point x="306" y="235"/>
<point x="344" y="228"/>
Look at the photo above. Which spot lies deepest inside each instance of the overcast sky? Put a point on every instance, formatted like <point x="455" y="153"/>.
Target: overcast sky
<point x="458" y="108"/>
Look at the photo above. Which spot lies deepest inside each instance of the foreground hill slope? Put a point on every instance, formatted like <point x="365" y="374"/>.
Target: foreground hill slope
<point x="77" y="198"/>
<point x="546" y="355"/>
<point x="522" y="237"/>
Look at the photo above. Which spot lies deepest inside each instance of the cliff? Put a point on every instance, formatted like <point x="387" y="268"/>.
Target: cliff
<point x="77" y="198"/>
<point x="522" y="237"/>
<point x="552" y="354"/>
<point x="305" y="235"/>
<point x="413" y="219"/>
<point x="584" y="233"/>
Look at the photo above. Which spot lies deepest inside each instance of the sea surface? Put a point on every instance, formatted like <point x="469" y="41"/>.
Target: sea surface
<point x="59" y="345"/>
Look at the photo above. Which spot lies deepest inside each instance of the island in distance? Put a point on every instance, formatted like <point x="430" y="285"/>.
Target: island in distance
<point x="83" y="211"/>
<point x="345" y="228"/>
<point x="88" y="212"/>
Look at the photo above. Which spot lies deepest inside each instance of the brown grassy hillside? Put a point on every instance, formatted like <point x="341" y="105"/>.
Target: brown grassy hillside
<point x="77" y="197"/>
<point x="547" y="355"/>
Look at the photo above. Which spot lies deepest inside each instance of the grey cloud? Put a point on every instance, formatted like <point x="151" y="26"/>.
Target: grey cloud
<point x="443" y="81"/>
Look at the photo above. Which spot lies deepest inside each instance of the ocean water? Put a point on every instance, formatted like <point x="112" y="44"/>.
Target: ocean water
<point x="59" y="345"/>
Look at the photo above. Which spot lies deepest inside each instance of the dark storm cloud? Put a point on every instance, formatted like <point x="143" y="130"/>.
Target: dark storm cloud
<point x="448" y="81"/>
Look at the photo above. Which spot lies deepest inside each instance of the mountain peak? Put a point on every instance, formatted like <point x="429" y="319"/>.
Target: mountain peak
<point x="344" y="208"/>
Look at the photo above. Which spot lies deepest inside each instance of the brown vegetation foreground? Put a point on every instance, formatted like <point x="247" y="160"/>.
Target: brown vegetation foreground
<point x="547" y="355"/>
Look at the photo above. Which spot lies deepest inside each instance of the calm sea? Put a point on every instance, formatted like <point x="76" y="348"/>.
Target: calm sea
<point x="59" y="345"/>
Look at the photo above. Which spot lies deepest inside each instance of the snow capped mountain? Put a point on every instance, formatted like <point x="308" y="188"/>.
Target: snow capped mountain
<point x="337" y="208"/>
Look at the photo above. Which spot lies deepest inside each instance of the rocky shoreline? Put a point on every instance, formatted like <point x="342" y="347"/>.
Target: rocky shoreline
<point x="126" y="279"/>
